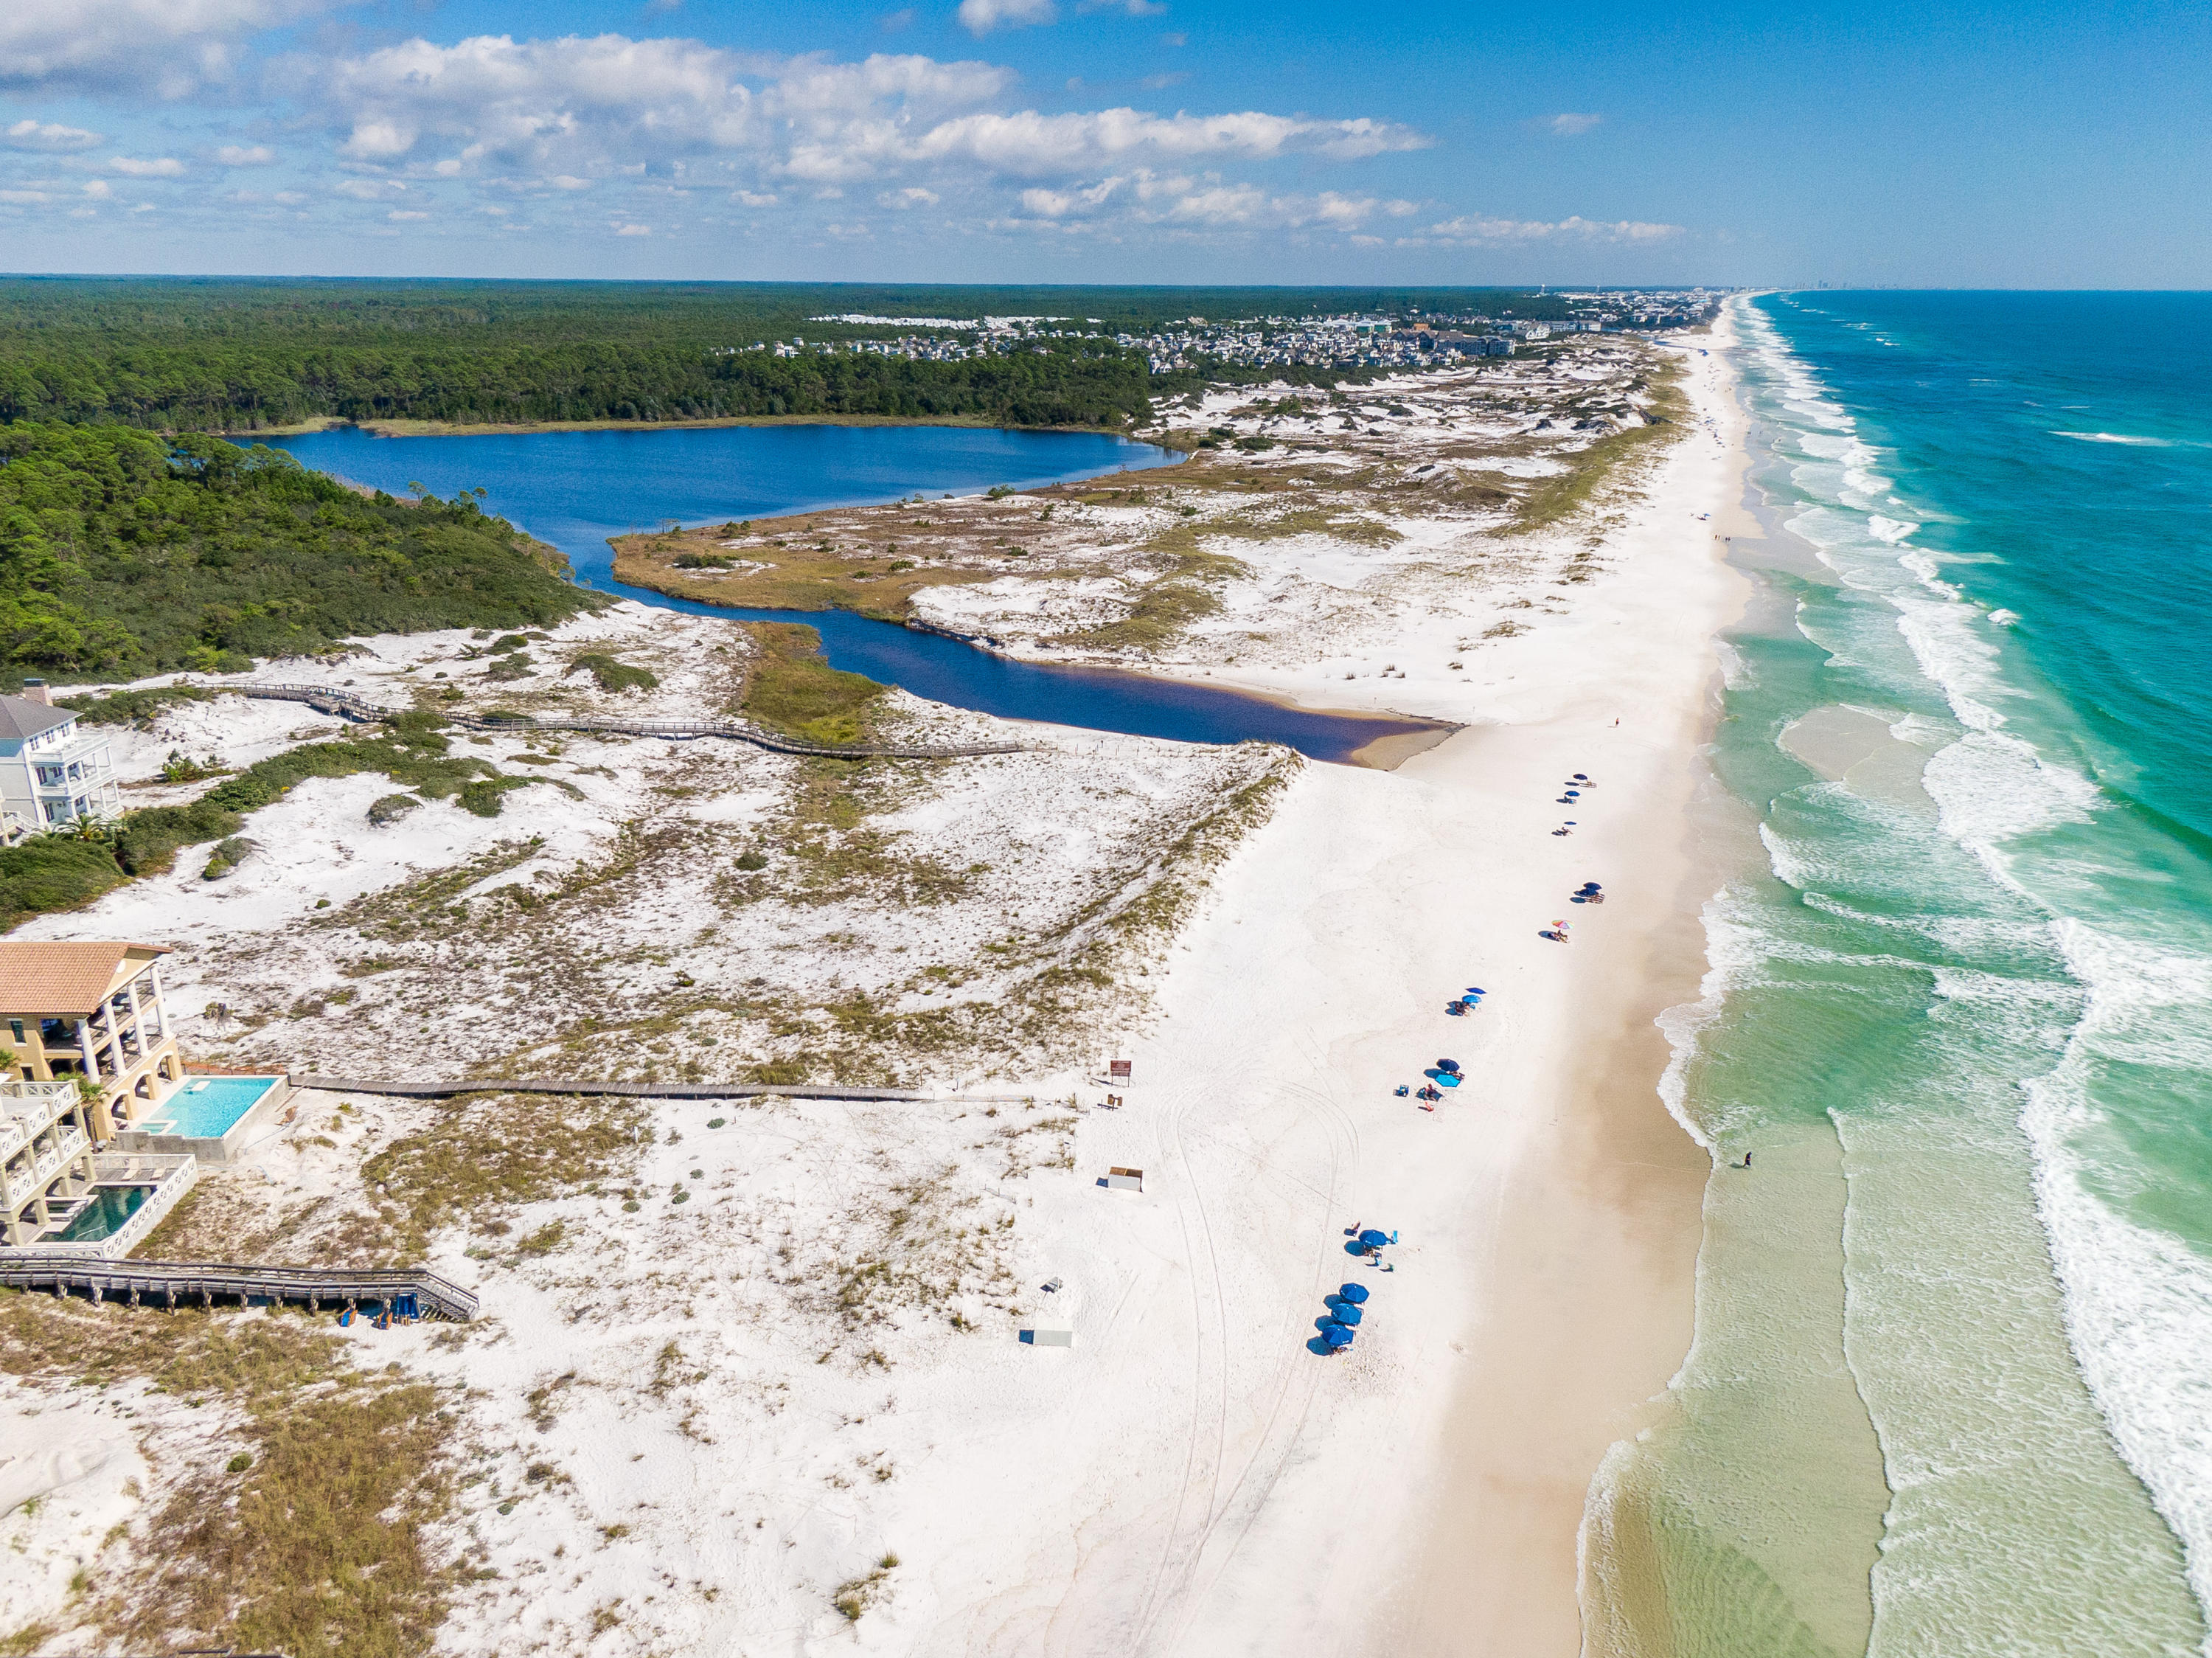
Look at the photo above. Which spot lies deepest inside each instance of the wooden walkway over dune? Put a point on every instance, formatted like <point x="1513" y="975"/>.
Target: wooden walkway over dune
<point x="346" y="706"/>
<point x="174" y="1283"/>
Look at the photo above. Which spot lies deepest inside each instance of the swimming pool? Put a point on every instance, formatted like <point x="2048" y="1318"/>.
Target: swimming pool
<point x="109" y="1209"/>
<point x="207" y="1107"/>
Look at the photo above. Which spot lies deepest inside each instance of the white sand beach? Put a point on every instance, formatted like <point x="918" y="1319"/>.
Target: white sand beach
<point x="1423" y="1493"/>
<point x="796" y="1415"/>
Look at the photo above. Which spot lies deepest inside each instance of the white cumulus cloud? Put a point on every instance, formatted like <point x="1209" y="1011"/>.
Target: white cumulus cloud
<point x="1573" y="127"/>
<point x="1033" y="144"/>
<point x="608" y="104"/>
<point x="110" y="48"/>
<point x="50" y="137"/>
<point x="163" y="167"/>
<point x="245" y="155"/>
<point x="982" y="16"/>
<point x="1477" y="229"/>
<point x="1208" y="202"/>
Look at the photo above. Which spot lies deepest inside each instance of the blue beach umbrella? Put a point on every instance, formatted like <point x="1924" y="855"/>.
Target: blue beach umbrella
<point x="1337" y="1336"/>
<point x="1354" y="1293"/>
<point x="1373" y="1239"/>
<point x="1347" y="1314"/>
<point x="1446" y="1080"/>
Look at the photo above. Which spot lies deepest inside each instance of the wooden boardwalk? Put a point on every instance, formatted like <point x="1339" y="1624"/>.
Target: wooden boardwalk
<point x="619" y="1090"/>
<point x="183" y="1283"/>
<point x="346" y="706"/>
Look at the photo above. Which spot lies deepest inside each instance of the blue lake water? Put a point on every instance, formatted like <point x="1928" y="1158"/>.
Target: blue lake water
<point x="574" y="490"/>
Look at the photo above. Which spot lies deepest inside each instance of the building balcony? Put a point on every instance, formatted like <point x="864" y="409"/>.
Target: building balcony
<point x="55" y="1158"/>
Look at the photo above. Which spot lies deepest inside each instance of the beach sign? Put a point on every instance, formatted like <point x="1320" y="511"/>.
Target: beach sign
<point x="1117" y="1070"/>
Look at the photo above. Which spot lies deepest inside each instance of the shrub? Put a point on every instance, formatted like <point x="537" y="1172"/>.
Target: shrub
<point x="390" y="808"/>
<point x="611" y="675"/>
<point x="51" y="873"/>
<point x="226" y="857"/>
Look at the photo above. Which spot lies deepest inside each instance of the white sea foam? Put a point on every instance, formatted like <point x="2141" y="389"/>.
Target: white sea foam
<point x="2137" y="1302"/>
<point x="2117" y="437"/>
<point x="1989" y="787"/>
<point x="1736" y="671"/>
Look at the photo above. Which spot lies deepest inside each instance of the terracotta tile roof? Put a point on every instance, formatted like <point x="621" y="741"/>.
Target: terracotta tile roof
<point x="61" y="979"/>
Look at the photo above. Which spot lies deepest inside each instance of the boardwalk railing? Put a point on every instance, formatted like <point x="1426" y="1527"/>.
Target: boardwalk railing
<point x="620" y="1090"/>
<point x="346" y="706"/>
<point x="174" y="1283"/>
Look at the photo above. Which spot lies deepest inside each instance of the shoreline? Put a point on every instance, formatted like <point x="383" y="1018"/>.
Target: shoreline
<point x="527" y="427"/>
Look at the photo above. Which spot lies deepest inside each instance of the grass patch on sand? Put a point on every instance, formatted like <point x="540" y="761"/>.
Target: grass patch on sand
<point x="1551" y="501"/>
<point x="1182" y="594"/>
<point x="613" y="674"/>
<point x="477" y="1158"/>
<point x="136" y="707"/>
<point x="1306" y="520"/>
<point x="790" y="688"/>
<point x="845" y="565"/>
<point x="303" y="1529"/>
<point x="414" y="754"/>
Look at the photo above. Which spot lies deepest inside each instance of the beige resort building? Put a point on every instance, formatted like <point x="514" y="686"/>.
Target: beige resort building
<point x="72" y="1013"/>
<point x="91" y="1010"/>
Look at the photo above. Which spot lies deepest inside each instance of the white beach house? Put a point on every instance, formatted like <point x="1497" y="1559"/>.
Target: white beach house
<point x="48" y="774"/>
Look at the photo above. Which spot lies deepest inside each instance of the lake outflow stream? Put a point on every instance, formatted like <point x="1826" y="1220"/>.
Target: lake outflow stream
<point x="574" y="490"/>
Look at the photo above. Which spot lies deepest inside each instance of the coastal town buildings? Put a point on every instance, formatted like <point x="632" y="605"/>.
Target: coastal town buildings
<point x="1351" y="340"/>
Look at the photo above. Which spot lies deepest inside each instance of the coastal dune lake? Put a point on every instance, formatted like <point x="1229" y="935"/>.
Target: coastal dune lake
<point x="574" y="490"/>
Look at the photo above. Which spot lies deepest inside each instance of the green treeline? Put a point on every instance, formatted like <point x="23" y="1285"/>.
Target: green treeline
<point x="124" y="554"/>
<point x="187" y="357"/>
<point x="275" y="382"/>
<point x="245" y="355"/>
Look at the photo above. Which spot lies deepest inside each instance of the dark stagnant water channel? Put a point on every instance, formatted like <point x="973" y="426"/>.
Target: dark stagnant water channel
<point x="574" y="490"/>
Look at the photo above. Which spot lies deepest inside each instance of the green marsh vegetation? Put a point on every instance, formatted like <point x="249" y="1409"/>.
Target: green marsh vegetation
<point x="124" y="554"/>
<point x="790" y="687"/>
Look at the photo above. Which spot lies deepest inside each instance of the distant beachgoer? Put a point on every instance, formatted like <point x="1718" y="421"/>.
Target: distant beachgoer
<point x="1746" y="1160"/>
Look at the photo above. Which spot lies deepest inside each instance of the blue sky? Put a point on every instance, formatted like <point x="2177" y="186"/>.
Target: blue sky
<point x="1111" y="140"/>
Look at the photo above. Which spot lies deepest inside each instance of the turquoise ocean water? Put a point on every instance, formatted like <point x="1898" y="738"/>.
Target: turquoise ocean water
<point x="1951" y="1389"/>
